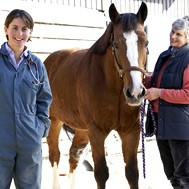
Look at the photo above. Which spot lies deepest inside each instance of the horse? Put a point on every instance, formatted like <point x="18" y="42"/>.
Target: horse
<point x="98" y="90"/>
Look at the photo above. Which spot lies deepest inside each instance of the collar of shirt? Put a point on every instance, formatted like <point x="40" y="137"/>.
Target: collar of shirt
<point x="11" y="54"/>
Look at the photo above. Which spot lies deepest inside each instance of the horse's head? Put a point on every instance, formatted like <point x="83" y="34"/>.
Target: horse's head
<point x="129" y="48"/>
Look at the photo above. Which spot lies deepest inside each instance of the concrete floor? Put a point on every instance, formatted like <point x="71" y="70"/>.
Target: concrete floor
<point x="155" y="178"/>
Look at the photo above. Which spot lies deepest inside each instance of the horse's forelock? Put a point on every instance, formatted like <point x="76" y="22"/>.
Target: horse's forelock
<point x="128" y="22"/>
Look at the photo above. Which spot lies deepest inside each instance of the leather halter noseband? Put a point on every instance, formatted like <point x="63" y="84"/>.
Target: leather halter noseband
<point x="120" y="69"/>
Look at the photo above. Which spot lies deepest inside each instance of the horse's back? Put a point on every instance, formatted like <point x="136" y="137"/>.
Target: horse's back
<point x="58" y="59"/>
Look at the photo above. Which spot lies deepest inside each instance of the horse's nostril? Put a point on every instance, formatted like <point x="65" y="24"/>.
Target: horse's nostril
<point x="128" y="93"/>
<point x="143" y="92"/>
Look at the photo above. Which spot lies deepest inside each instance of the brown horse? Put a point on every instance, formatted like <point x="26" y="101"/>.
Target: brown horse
<point x="98" y="90"/>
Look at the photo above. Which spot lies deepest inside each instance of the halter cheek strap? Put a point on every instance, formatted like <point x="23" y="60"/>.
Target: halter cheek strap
<point x="118" y="66"/>
<point x="120" y="69"/>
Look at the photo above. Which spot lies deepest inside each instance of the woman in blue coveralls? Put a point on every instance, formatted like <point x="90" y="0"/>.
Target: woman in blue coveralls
<point x="25" y="97"/>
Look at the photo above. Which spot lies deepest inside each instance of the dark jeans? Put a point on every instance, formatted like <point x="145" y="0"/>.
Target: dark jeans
<point x="175" y="157"/>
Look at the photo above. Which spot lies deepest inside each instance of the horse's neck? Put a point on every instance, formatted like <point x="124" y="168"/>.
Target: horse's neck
<point x="111" y="74"/>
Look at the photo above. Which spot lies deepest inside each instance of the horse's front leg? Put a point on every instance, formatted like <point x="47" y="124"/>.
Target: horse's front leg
<point x="101" y="172"/>
<point x="54" y="152"/>
<point x="130" y="144"/>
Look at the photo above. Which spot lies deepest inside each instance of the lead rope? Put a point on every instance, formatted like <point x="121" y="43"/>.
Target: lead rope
<point x="142" y="110"/>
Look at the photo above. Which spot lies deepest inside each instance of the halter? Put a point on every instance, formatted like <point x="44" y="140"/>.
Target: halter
<point x="120" y="69"/>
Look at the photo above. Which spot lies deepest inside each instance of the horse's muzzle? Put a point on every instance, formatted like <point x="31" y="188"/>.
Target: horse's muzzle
<point x="134" y="100"/>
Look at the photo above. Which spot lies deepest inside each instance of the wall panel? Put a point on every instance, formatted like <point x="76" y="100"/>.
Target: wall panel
<point x="71" y="23"/>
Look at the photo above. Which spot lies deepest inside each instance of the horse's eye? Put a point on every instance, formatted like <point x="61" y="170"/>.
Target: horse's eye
<point x="146" y="45"/>
<point x="115" y="45"/>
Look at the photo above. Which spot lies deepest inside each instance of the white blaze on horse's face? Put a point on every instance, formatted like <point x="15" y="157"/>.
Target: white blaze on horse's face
<point x="132" y="55"/>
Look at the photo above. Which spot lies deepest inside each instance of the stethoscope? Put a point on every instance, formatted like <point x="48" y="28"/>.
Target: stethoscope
<point x="36" y="78"/>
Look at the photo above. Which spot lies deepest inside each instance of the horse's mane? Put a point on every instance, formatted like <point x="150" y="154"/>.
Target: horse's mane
<point x="128" y="22"/>
<point x="103" y="42"/>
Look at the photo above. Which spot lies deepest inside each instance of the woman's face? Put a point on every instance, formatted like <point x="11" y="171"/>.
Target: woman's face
<point x="178" y="38"/>
<point x="18" y="34"/>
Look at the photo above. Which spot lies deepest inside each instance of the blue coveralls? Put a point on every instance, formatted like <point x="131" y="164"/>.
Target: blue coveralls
<point x="25" y="97"/>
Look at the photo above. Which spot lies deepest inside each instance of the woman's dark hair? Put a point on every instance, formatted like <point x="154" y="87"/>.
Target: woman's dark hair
<point x="18" y="13"/>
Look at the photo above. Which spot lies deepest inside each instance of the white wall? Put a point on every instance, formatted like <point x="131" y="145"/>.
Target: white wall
<point x="159" y="28"/>
<point x="57" y="27"/>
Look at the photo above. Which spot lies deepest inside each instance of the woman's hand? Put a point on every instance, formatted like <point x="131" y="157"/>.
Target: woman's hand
<point x="152" y="94"/>
<point x="147" y="80"/>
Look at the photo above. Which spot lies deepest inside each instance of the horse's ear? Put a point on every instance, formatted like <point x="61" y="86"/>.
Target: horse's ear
<point x="142" y="13"/>
<point x="113" y="14"/>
